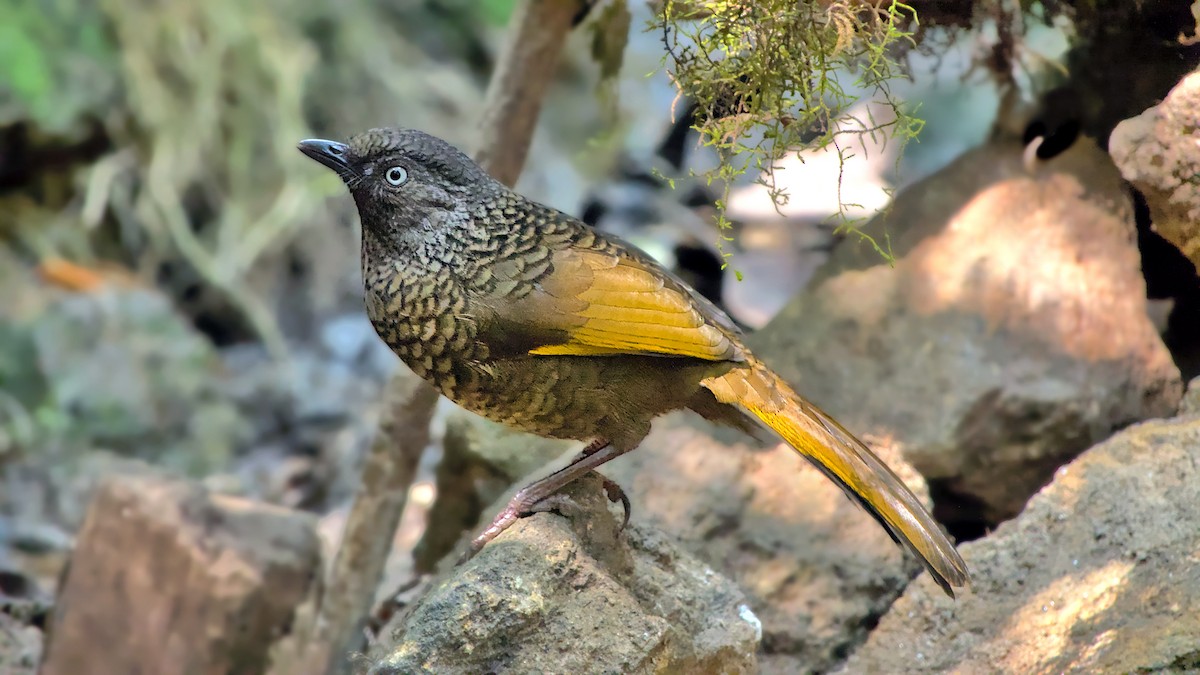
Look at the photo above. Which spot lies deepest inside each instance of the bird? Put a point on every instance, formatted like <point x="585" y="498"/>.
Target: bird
<point x="527" y="316"/>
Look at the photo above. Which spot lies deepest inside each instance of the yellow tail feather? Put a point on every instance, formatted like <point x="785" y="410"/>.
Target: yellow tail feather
<point x="846" y="461"/>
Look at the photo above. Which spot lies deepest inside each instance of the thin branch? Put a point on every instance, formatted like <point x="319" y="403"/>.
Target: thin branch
<point x="388" y="472"/>
<point x="536" y="35"/>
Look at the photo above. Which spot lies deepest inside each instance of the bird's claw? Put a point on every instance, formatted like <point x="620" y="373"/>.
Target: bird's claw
<point x="616" y="494"/>
<point x="522" y="506"/>
<point x="566" y="505"/>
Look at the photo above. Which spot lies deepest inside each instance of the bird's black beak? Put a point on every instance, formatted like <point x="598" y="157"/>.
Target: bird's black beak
<point x="330" y="153"/>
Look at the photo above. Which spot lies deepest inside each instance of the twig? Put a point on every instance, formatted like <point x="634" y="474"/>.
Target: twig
<point x="537" y="33"/>
<point x="388" y="471"/>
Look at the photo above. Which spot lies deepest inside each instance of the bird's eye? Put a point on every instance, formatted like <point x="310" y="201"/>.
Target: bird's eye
<point x="396" y="175"/>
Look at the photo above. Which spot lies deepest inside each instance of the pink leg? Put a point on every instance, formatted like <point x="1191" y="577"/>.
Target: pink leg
<point x="527" y="500"/>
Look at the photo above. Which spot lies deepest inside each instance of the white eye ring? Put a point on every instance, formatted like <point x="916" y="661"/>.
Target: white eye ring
<point x="397" y="175"/>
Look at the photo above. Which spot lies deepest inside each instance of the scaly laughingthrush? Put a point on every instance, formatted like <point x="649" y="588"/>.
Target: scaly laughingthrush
<point x="531" y="318"/>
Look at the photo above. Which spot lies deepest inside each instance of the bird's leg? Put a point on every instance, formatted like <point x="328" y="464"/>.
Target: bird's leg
<point x="613" y="491"/>
<point x="591" y="449"/>
<point x="528" y="498"/>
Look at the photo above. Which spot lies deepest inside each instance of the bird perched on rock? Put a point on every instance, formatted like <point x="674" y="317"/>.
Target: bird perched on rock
<point x="529" y="317"/>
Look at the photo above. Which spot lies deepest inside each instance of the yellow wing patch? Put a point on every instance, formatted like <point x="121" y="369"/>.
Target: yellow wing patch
<point x="630" y="309"/>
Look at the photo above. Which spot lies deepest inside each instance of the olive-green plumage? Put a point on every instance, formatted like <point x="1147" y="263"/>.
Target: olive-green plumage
<point x="529" y="317"/>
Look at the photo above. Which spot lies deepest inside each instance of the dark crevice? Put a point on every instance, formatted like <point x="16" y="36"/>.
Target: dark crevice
<point x="701" y="268"/>
<point x="26" y="154"/>
<point x="1170" y="275"/>
<point x="964" y="516"/>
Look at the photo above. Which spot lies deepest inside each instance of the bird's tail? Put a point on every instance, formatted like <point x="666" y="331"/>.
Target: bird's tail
<point x="846" y="461"/>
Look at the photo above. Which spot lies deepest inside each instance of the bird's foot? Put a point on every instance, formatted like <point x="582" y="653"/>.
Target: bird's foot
<point x="528" y="501"/>
<point x="521" y="505"/>
<point x="562" y="504"/>
<point x="566" y="506"/>
<point x="616" y="494"/>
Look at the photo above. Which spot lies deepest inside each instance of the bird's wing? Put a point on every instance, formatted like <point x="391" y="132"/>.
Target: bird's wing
<point x="605" y="301"/>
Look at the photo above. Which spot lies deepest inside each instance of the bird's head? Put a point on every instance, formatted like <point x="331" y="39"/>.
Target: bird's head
<point x="404" y="178"/>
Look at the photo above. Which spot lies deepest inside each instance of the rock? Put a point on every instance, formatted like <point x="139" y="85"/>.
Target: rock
<point x="1097" y="575"/>
<point x="33" y="537"/>
<point x="21" y="636"/>
<point x="559" y="595"/>
<point x="815" y="568"/>
<point x="133" y="375"/>
<point x="1190" y="405"/>
<point x="48" y="503"/>
<point x="116" y="368"/>
<point x="20" y="645"/>
<point x="314" y="416"/>
<point x="167" y="578"/>
<point x="480" y="461"/>
<point x="60" y="496"/>
<point x="1159" y="153"/>
<point x="32" y="555"/>
<point x="1010" y="334"/>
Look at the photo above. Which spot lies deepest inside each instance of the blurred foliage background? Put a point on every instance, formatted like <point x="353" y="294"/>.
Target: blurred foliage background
<point x="157" y="222"/>
<point x="162" y="135"/>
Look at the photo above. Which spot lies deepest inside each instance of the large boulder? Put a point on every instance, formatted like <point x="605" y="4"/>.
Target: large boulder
<point x="1097" y="575"/>
<point x="1010" y="333"/>
<point x="1159" y="153"/>
<point x="816" y="569"/>
<point x="559" y="595"/>
<point x="167" y="577"/>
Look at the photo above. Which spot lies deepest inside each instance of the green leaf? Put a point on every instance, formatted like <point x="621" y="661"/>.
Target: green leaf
<point x="496" y="12"/>
<point x="23" y="64"/>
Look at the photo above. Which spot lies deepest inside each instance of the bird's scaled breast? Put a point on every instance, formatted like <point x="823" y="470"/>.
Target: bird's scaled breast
<point x="424" y="319"/>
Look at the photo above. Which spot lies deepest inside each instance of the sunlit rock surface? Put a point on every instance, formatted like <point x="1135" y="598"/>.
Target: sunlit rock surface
<point x="1159" y="153"/>
<point x="1010" y="334"/>
<point x="1098" y="575"/>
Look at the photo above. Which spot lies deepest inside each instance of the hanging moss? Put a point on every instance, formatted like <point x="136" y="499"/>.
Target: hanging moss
<point x="765" y="76"/>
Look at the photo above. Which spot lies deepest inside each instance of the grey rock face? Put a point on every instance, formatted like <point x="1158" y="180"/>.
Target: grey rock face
<point x="814" y="567"/>
<point x="1097" y="575"/>
<point x="552" y="595"/>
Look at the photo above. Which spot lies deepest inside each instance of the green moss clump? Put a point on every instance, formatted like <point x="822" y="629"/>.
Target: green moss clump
<point x="765" y="76"/>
